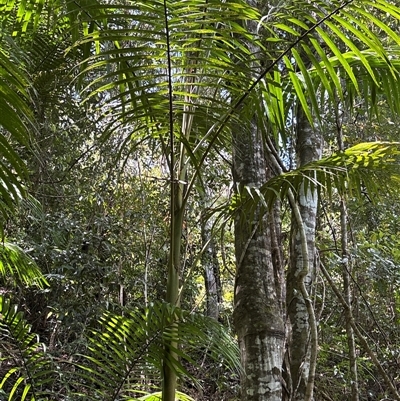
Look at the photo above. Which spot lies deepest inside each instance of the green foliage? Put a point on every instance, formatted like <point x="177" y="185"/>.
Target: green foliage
<point x="130" y="345"/>
<point x="123" y="349"/>
<point x="373" y="265"/>
<point x="329" y="53"/>
<point x="17" y="266"/>
<point x="15" y="117"/>
<point x="365" y="167"/>
<point x="158" y="397"/>
<point x="26" y="369"/>
<point x="146" y="70"/>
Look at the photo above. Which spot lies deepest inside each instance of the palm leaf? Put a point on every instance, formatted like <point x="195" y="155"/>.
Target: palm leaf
<point x="158" y="397"/>
<point x="359" y="61"/>
<point x="14" y="116"/>
<point x="17" y="266"/>
<point x="371" y="168"/>
<point x="124" y="47"/>
<point x="132" y="57"/>
<point x="26" y="370"/>
<point x="207" y="42"/>
<point x="128" y="347"/>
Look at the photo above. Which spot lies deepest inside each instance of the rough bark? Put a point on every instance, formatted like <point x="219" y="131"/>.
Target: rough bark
<point x="258" y="314"/>
<point x="308" y="148"/>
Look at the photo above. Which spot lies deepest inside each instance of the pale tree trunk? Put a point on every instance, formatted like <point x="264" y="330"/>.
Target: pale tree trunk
<point x="258" y="314"/>
<point x="308" y="148"/>
<point x="258" y="317"/>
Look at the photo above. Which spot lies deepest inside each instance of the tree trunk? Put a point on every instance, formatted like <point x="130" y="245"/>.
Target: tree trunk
<point x="258" y="314"/>
<point x="210" y="267"/>
<point x="169" y="376"/>
<point x="308" y="148"/>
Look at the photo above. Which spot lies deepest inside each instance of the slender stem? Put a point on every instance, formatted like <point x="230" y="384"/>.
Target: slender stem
<point x="169" y="374"/>
<point x="346" y="273"/>
<point x="347" y="295"/>
<point x="171" y="119"/>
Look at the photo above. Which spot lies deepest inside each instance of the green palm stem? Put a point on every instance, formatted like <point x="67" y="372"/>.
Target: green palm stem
<point x="178" y="202"/>
<point x="169" y="376"/>
<point x="172" y="297"/>
<point x="178" y="199"/>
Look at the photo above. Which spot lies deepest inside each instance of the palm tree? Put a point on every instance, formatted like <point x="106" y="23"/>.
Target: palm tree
<point x="191" y="73"/>
<point x="140" y="83"/>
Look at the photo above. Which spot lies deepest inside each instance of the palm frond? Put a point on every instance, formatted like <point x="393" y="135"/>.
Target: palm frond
<point x="124" y="46"/>
<point x="158" y="397"/>
<point x="18" y="267"/>
<point x="129" y="58"/>
<point x="132" y="346"/>
<point x="15" y="115"/>
<point x="330" y="52"/>
<point x="317" y="49"/>
<point x="26" y="370"/>
<point x="371" y="168"/>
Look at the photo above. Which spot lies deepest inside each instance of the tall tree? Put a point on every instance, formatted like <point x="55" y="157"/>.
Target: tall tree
<point x="308" y="149"/>
<point x="258" y="312"/>
<point x="258" y="305"/>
